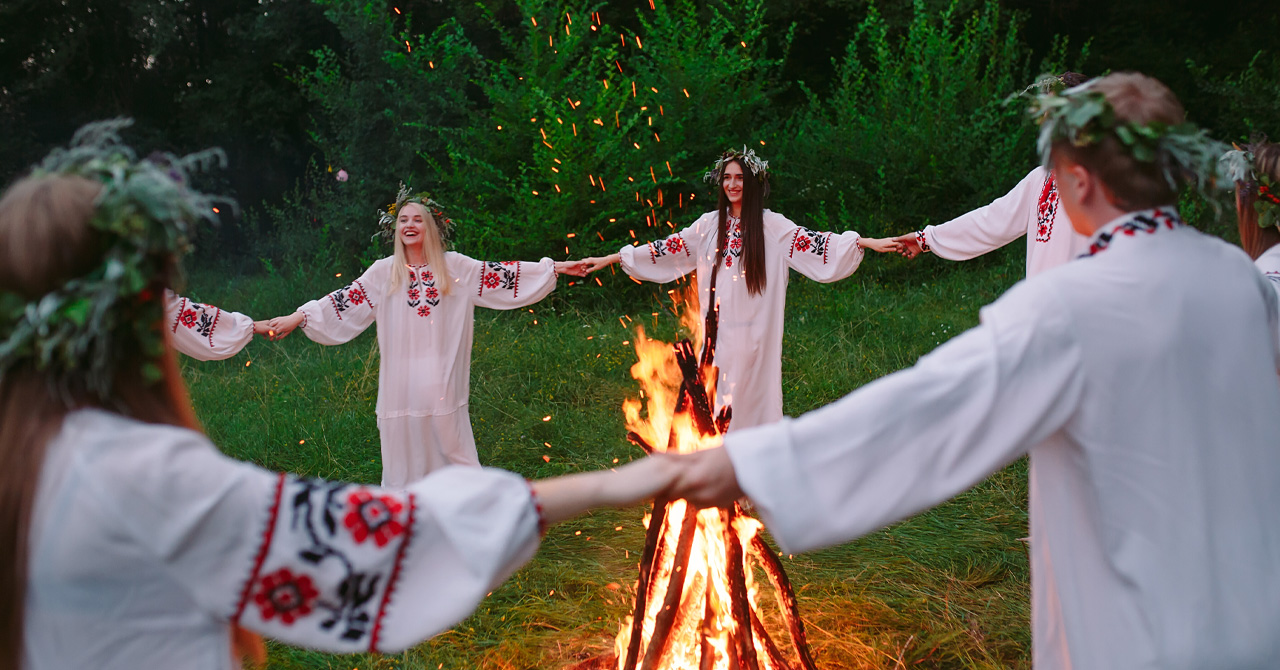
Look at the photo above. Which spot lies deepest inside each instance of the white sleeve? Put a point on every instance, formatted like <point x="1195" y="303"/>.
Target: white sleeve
<point x="987" y="228"/>
<point x="204" y="332"/>
<point x="821" y="256"/>
<point x="665" y="260"/>
<point x="327" y="565"/>
<point x="911" y="440"/>
<point x="510" y="284"/>
<point x="340" y="316"/>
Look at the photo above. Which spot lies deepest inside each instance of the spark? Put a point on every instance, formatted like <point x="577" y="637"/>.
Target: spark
<point x="623" y="38"/>
<point x="577" y="532"/>
<point x="744" y="45"/>
<point x="669" y="171"/>
<point x="566" y="30"/>
<point x="568" y="18"/>
<point x="397" y="9"/>
<point x="550" y="43"/>
<point x="406" y="45"/>
<point x="598" y="283"/>
<point x="535" y="21"/>
<point x="600" y="235"/>
<point x="546" y="418"/>
<point x="633" y="234"/>
<point x="637" y="144"/>
<point x="302" y="441"/>
<point x="535" y="193"/>
<point x="571" y="235"/>
<point x="598" y="122"/>
<point x="633" y="89"/>
<point x="761" y="142"/>
<point x="619" y="66"/>
<point x="559" y="121"/>
<point x="499" y="127"/>
<point x="246" y="363"/>
<point x="338" y="275"/>
<point x="655" y="136"/>
<point x="432" y="64"/>
<point x="638" y="42"/>
<point x="651" y="174"/>
<point x="216" y="210"/>
<point x="557" y="191"/>
<point x="548" y="144"/>
<point x="592" y="178"/>
<point x="575" y="129"/>
<point x="660" y="110"/>
<point x="686" y="92"/>
<point x="653" y="89"/>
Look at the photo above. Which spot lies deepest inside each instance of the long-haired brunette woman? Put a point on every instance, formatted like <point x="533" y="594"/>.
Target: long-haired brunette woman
<point x="745" y="251"/>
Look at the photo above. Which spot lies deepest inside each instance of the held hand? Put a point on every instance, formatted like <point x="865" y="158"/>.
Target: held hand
<point x="706" y="479"/>
<point x="565" y="497"/>
<point x="280" y="327"/>
<point x="600" y="262"/>
<point x="261" y="327"/>
<point x="882" y="245"/>
<point x="910" y="247"/>
<point x="575" y="268"/>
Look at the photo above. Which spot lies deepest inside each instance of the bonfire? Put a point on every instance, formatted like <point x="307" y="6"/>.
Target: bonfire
<point x="696" y="597"/>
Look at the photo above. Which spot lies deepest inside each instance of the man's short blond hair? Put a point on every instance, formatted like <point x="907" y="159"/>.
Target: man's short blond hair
<point x="1140" y="100"/>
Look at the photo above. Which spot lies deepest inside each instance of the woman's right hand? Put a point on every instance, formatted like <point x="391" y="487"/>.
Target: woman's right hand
<point x="280" y="327"/>
<point x="601" y="262"/>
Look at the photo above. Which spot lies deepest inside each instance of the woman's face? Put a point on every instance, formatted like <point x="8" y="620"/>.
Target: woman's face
<point x="731" y="182"/>
<point x="411" y="224"/>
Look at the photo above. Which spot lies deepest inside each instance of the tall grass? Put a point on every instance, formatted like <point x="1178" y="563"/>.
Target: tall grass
<point x="946" y="589"/>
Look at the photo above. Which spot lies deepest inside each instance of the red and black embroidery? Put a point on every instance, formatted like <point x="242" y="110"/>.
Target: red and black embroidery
<point x="810" y="241"/>
<point x="423" y="294"/>
<point x="330" y="557"/>
<point x="201" y="318"/>
<point x="733" y="245"/>
<point x="504" y="275"/>
<point x="351" y="295"/>
<point x="922" y="241"/>
<point x="1046" y="208"/>
<point x="672" y="245"/>
<point x="1148" y="222"/>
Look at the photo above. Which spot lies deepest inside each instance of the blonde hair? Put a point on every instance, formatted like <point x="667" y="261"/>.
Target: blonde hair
<point x="47" y="241"/>
<point x="1136" y="98"/>
<point x="432" y="248"/>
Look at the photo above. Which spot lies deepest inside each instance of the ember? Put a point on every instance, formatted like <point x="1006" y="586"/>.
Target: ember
<point x="696" y="605"/>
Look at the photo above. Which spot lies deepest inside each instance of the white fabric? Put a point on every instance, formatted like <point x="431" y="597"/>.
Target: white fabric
<point x="1146" y="398"/>
<point x="1030" y="209"/>
<point x="1269" y="264"/>
<point x="424" y="340"/>
<point x="203" y="331"/>
<point x="147" y="543"/>
<point x="404" y="459"/>
<point x="749" y="346"/>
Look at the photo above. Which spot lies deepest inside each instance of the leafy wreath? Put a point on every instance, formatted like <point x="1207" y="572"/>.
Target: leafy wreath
<point x="387" y="217"/>
<point x="1239" y="167"/>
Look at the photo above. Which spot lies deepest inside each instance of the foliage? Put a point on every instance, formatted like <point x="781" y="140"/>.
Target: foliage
<point x="1250" y="98"/>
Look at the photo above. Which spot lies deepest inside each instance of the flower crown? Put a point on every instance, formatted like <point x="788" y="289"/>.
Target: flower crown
<point x="759" y="167"/>
<point x="146" y="215"/>
<point x="1083" y="116"/>
<point x="387" y="218"/>
<point x="1238" y="167"/>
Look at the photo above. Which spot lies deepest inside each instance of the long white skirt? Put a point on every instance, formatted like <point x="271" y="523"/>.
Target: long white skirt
<point x="413" y="446"/>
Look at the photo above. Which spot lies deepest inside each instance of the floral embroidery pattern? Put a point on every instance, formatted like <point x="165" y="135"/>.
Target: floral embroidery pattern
<point x="423" y="294"/>
<point x="201" y="318"/>
<point x="811" y="241"/>
<point x="504" y="275"/>
<point x="330" y="556"/>
<point x="922" y="241"/>
<point x="373" y="516"/>
<point x="1147" y="222"/>
<point x="353" y="294"/>
<point x="1046" y="209"/>
<point x="672" y="245"/>
<point x="733" y="244"/>
<point x="285" y="595"/>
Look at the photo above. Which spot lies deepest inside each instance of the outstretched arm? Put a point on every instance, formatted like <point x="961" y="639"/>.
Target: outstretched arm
<point x="563" y="498"/>
<point x="203" y="331"/>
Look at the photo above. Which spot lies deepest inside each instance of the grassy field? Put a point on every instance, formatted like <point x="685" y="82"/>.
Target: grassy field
<point x="946" y="589"/>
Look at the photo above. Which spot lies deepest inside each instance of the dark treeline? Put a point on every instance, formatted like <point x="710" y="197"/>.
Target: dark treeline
<point x="879" y="115"/>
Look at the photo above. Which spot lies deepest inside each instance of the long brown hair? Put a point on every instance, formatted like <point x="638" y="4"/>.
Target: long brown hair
<point x="45" y="241"/>
<point x="754" y="193"/>
<point x="1254" y="238"/>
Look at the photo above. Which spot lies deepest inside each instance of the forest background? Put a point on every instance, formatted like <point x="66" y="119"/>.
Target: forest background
<point x="568" y="128"/>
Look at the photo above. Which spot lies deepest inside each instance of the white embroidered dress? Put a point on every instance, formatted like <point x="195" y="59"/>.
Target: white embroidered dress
<point x="1030" y="209"/>
<point x="1146" y="396"/>
<point x="204" y="332"/>
<point x="1269" y="264"/>
<point x="424" y="341"/>
<point x="147" y="544"/>
<point x="749" y="345"/>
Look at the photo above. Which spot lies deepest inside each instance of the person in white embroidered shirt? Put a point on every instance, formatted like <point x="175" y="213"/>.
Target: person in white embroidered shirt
<point x="127" y="540"/>
<point x="424" y="301"/>
<point x="1140" y="379"/>
<point x="1032" y="209"/>
<point x="206" y="333"/>
<point x="1255" y="169"/>
<point x="755" y="248"/>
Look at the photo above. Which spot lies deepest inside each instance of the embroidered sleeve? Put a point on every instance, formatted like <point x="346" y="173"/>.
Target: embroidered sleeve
<point x="1004" y="220"/>
<point x="203" y="331"/>
<point x="922" y="241"/>
<point x="664" y="260"/>
<point x="512" y="284"/>
<point x="342" y="315"/>
<point x="350" y="568"/>
<point x="822" y="256"/>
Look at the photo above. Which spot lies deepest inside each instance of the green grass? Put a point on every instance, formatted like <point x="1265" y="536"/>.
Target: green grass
<point x="946" y="589"/>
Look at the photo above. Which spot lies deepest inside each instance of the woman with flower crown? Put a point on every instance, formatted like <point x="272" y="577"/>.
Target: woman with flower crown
<point x="127" y="540"/>
<point x="1255" y="170"/>
<point x="742" y="253"/>
<point x="424" y="300"/>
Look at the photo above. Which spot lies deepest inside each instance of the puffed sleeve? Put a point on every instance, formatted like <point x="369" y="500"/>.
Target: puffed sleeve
<point x="990" y="227"/>
<point x="507" y="284"/>
<point x="327" y="565"/>
<point x="667" y="259"/>
<point x="867" y="460"/>
<point x="342" y="315"/>
<point x="204" y="332"/>
<point x="818" y="255"/>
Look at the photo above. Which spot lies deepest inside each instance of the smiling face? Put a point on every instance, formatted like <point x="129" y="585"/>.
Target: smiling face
<point x="411" y="224"/>
<point x="731" y="182"/>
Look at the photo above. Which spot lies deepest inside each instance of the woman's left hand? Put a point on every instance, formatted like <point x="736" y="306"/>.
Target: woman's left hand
<point x="883" y="245"/>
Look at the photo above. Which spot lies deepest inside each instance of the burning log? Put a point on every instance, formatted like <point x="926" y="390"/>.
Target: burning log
<point x="738" y="593"/>
<point x="671" y="603"/>
<point x="787" y="596"/>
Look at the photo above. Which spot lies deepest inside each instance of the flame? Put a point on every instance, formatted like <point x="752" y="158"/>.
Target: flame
<point x="704" y="613"/>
